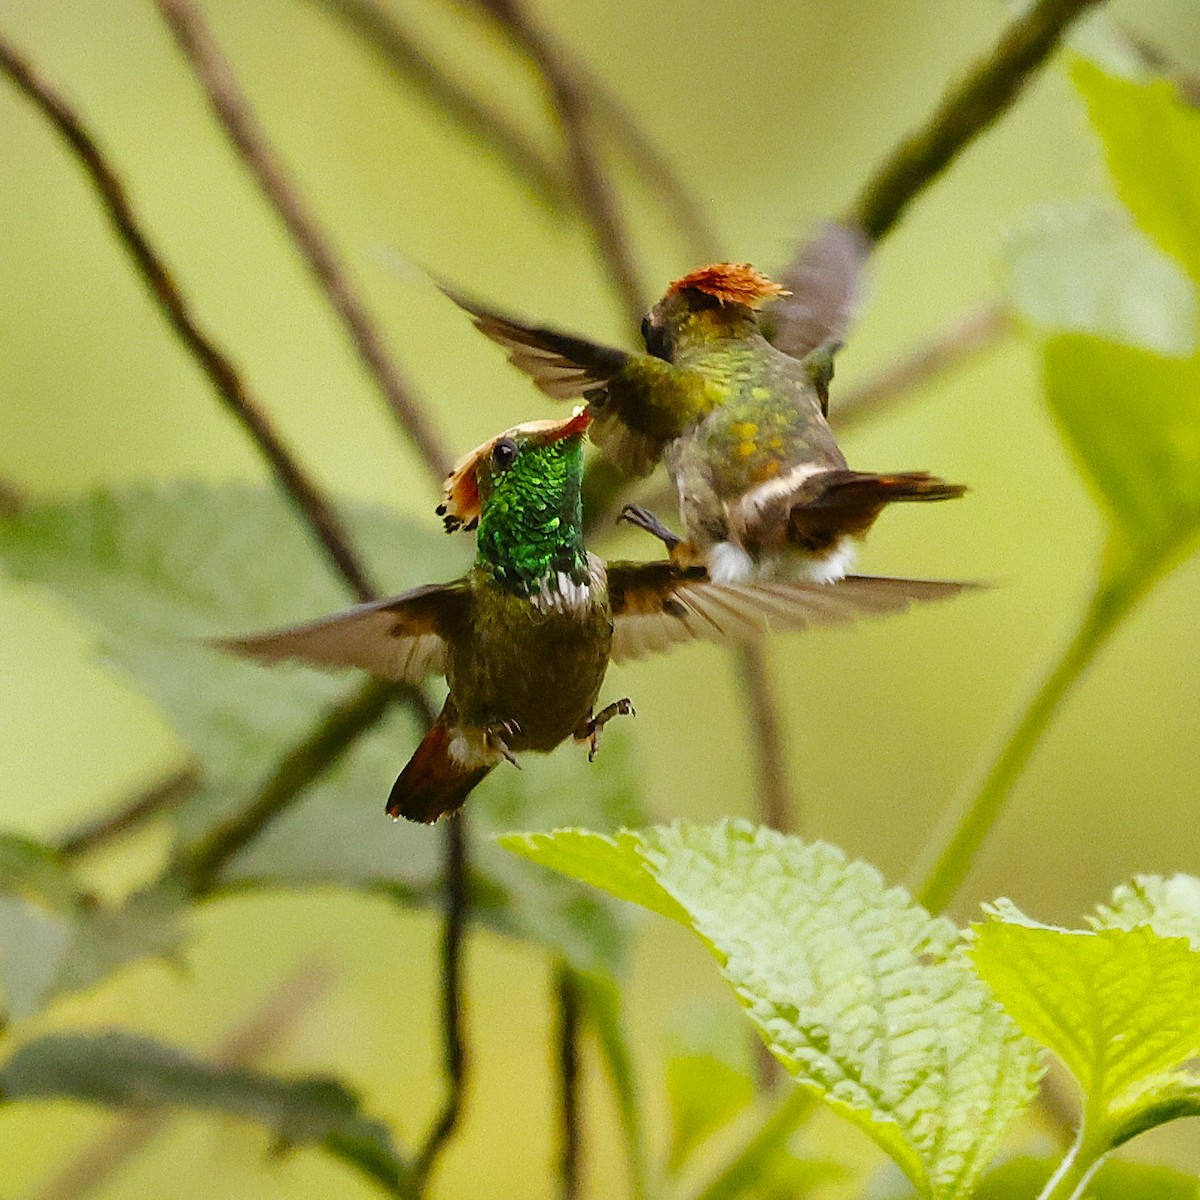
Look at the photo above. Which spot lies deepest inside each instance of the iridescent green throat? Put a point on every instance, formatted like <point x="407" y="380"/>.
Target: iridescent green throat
<point x="531" y="526"/>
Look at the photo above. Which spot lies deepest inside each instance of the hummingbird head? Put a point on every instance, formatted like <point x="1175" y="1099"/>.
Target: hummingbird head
<point x="718" y="301"/>
<point x="522" y="489"/>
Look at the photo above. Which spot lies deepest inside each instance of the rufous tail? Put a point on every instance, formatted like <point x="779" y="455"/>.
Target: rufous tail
<point x="434" y="782"/>
<point x="834" y="504"/>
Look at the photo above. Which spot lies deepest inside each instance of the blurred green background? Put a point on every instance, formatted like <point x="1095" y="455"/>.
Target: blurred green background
<point x="773" y="113"/>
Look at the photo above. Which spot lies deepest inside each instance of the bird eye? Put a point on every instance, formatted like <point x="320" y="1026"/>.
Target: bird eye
<point x="504" y="454"/>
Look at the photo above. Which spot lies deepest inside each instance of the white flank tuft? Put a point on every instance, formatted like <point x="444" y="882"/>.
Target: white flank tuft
<point x="729" y="563"/>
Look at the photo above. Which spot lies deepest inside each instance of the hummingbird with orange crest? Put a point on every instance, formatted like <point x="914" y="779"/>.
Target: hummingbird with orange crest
<point x="524" y="639"/>
<point x="762" y="485"/>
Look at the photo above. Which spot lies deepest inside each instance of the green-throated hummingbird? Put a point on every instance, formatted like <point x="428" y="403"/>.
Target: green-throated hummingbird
<point x="525" y="637"/>
<point x="763" y="487"/>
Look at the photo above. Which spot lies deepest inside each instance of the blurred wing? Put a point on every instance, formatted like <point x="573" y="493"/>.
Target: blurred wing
<point x="657" y="605"/>
<point x="403" y="638"/>
<point x="638" y="402"/>
<point x="825" y="281"/>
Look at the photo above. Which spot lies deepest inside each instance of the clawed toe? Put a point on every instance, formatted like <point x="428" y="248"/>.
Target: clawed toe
<point x="498" y="734"/>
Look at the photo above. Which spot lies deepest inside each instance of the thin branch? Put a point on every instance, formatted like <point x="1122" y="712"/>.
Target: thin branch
<point x="11" y="500"/>
<point x="593" y="190"/>
<point x="966" y="110"/>
<point x="260" y="1032"/>
<point x="657" y="174"/>
<point x="235" y="115"/>
<point x="200" y="865"/>
<point x="215" y="363"/>
<point x="382" y="32"/>
<point x="454" y="1046"/>
<point x="569" y="1006"/>
<point x="946" y="351"/>
<point x="776" y="803"/>
<point x="160" y="798"/>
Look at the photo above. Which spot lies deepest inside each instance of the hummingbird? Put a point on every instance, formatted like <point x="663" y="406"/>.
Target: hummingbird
<point x="762" y="484"/>
<point x="525" y="637"/>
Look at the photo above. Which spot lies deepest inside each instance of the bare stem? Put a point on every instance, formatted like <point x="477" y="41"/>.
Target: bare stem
<point x="11" y="500"/>
<point x="966" y="110"/>
<point x="200" y="865"/>
<point x="454" y="1046"/>
<point x="946" y="351"/>
<point x="215" y="363"/>
<point x="569" y="1006"/>
<point x="161" y="797"/>
<point x="394" y="45"/>
<point x="236" y="117"/>
<point x="776" y="805"/>
<point x="593" y="190"/>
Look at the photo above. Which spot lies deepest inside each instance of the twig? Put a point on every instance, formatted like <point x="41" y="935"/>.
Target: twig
<point x="1185" y="80"/>
<point x="235" y="115"/>
<point x="212" y="360"/>
<point x="383" y="33"/>
<point x="11" y="500"/>
<point x="965" y="111"/>
<point x="592" y="189"/>
<point x="254" y="1037"/>
<point x="657" y="174"/>
<point x="454" y="1047"/>
<point x="776" y="804"/>
<point x="199" y="866"/>
<point x="161" y="797"/>
<point x="569" y="1005"/>
<point x="945" y="351"/>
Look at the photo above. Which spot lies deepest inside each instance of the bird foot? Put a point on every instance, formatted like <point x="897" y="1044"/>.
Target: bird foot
<point x="497" y="735"/>
<point x="643" y="518"/>
<point x="590" y="731"/>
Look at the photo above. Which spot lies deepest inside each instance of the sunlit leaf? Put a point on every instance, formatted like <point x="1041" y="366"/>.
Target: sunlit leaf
<point x="1152" y="143"/>
<point x="866" y="999"/>
<point x="1090" y="270"/>
<point x="1133" y="419"/>
<point x="118" y="1069"/>
<point x="1171" y="907"/>
<point x="1120" y="1007"/>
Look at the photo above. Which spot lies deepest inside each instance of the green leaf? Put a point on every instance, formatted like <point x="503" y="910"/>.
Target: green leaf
<point x="603" y="1008"/>
<point x="1082" y="269"/>
<point x="1152" y="143"/>
<point x="866" y="999"/>
<point x="1022" y="1177"/>
<point x="1171" y="907"/>
<point x="709" y="1078"/>
<point x="154" y="569"/>
<point x="1120" y="1007"/>
<point x="1133" y="420"/>
<point x="55" y="938"/>
<point x="119" y="1069"/>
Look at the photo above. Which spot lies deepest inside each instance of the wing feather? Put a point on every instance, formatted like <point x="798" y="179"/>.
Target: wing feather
<point x="638" y="402"/>
<point x="657" y="605"/>
<point x="403" y="638"/>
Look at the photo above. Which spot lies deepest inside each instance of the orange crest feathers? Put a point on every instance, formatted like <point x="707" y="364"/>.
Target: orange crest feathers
<point x="731" y="283"/>
<point x="462" y="506"/>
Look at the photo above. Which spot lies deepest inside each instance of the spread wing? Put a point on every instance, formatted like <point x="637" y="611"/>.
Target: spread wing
<point x="658" y="605"/>
<point x="824" y="281"/>
<point x="403" y="638"/>
<point x="638" y="402"/>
